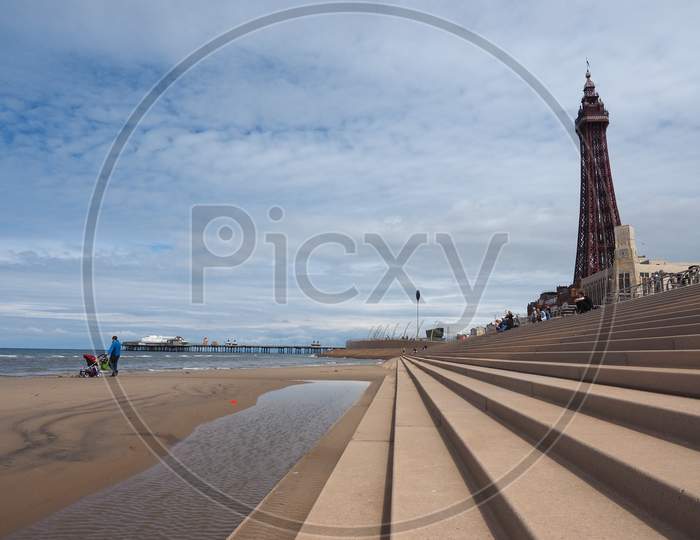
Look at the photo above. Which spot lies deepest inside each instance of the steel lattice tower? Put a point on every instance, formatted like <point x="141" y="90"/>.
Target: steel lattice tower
<point x="598" y="217"/>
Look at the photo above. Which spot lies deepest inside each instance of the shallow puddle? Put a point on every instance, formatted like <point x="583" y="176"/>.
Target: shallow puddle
<point x="240" y="457"/>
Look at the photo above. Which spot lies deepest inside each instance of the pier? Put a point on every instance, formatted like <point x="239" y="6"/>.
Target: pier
<point x="231" y="348"/>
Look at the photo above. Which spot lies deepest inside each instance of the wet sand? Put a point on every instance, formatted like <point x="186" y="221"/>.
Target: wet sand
<point x="63" y="438"/>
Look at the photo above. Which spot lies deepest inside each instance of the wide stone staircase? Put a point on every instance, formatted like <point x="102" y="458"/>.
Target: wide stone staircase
<point x="583" y="427"/>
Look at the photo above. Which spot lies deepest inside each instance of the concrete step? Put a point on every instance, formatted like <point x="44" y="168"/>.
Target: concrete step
<point x="666" y="296"/>
<point x="355" y="496"/>
<point x="601" y="318"/>
<point x="668" y="301"/>
<point x="674" y="418"/>
<point x="641" y="307"/>
<point x="672" y="329"/>
<point x="663" y="326"/>
<point x="636" y="320"/>
<point x="532" y="495"/>
<point x="668" y="326"/>
<point x="681" y="382"/>
<point x="679" y="342"/>
<point x="650" y="473"/>
<point x="672" y="325"/>
<point x="430" y="497"/>
<point x="689" y="359"/>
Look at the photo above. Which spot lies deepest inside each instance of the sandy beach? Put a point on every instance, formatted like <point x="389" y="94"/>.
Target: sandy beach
<point x="63" y="437"/>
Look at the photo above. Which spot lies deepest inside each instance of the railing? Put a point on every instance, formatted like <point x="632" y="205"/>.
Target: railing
<point x="656" y="283"/>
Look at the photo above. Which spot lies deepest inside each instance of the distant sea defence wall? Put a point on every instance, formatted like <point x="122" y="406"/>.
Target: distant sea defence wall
<point x="380" y="349"/>
<point x="408" y="344"/>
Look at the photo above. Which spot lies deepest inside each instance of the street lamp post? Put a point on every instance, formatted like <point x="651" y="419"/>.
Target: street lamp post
<point x="417" y="306"/>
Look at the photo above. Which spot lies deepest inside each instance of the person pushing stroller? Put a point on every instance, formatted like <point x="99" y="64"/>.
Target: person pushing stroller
<point x="114" y="352"/>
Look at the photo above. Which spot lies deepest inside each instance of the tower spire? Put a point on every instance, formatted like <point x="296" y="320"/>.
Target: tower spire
<point x="589" y="88"/>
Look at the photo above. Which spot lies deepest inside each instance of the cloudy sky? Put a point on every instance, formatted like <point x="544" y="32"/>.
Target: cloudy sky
<point x="352" y="124"/>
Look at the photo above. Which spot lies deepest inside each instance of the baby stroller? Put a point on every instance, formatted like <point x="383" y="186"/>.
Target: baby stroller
<point x="93" y="365"/>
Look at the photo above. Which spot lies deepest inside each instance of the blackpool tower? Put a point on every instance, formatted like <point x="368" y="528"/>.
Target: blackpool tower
<point x="598" y="217"/>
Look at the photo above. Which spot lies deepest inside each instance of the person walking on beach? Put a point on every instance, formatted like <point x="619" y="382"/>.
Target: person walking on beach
<point x="114" y="352"/>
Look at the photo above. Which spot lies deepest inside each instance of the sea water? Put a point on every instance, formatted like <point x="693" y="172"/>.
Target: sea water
<point x="33" y="362"/>
<point x="241" y="456"/>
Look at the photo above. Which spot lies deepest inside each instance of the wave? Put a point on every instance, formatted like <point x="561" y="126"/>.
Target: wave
<point x="40" y="374"/>
<point x="8" y="356"/>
